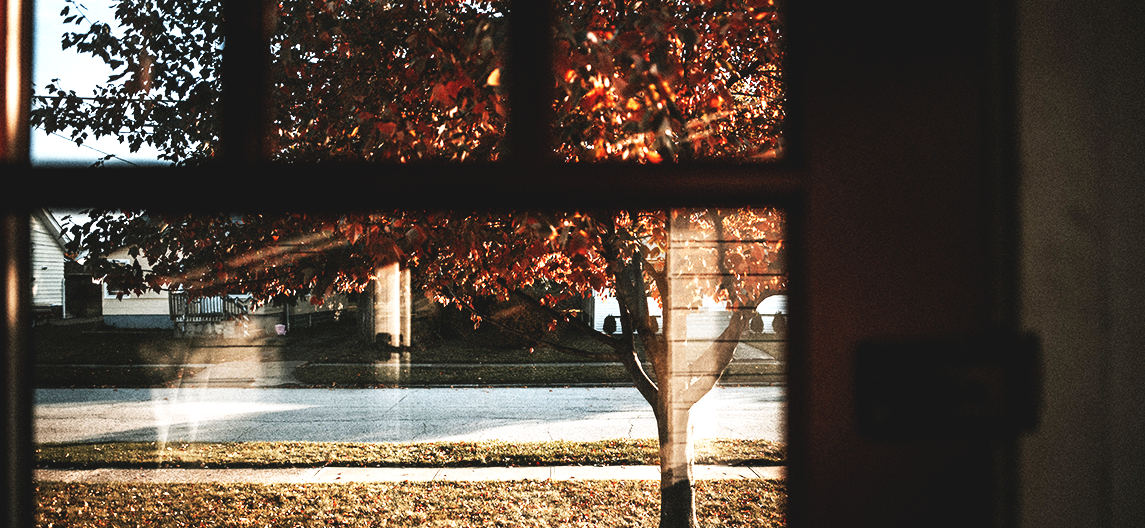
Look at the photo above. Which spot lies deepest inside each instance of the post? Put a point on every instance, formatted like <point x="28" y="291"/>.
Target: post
<point x="406" y="309"/>
<point x="387" y="302"/>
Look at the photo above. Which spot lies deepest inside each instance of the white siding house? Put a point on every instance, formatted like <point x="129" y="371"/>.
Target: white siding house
<point x="705" y="323"/>
<point x="48" y="257"/>
<point x="153" y="310"/>
<point x="148" y="310"/>
<point x="604" y="305"/>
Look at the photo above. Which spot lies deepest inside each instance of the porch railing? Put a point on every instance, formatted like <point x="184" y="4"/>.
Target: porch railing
<point x="184" y="309"/>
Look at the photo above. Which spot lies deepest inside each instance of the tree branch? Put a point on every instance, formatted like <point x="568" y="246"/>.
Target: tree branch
<point x="709" y="367"/>
<point x="626" y="277"/>
<point x="577" y="324"/>
<point x="659" y="277"/>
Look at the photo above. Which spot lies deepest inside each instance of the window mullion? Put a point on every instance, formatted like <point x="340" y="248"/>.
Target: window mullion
<point x="530" y="82"/>
<point x="246" y="60"/>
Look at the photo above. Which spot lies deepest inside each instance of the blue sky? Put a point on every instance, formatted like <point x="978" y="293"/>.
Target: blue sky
<point x="76" y="72"/>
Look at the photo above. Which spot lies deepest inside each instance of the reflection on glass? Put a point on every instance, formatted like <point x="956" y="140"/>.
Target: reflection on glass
<point x="669" y="80"/>
<point x="668" y="302"/>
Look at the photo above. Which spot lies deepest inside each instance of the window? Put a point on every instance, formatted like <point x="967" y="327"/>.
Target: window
<point x="530" y="170"/>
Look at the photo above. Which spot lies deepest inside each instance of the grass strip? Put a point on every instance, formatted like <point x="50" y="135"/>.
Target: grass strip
<point x="500" y="374"/>
<point x="434" y="454"/>
<point x="370" y="375"/>
<point x="757" y="503"/>
<point x="65" y="376"/>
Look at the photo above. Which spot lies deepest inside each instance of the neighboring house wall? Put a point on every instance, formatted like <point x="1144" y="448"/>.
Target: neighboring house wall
<point x="148" y="310"/>
<point x="604" y="305"/>
<point x="705" y="323"/>
<point x="47" y="261"/>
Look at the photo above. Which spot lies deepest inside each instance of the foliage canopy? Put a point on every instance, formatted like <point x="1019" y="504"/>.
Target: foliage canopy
<point x="647" y="80"/>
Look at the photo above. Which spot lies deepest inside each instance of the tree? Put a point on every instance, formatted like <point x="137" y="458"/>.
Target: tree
<point x="656" y="80"/>
<point x="395" y="80"/>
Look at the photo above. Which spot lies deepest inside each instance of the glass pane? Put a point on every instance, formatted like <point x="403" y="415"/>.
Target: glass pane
<point x="423" y="338"/>
<point x="350" y="81"/>
<point x="388" y="81"/>
<point x="403" y="81"/>
<point x="130" y="83"/>
<point x="669" y="80"/>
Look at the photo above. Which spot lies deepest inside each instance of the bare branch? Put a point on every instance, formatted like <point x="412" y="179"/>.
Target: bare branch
<point x="626" y="276"/>
<point x="576" y="324"/>
<point x="709" y="367"/>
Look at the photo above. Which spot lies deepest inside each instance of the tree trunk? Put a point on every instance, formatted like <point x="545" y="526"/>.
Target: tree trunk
<point x="677" y="501"/>
<point x="387" y="321"/>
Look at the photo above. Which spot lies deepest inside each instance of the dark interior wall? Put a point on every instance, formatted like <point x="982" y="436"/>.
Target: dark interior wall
<point x="896" y="110"/>
<point x="1082" y="87"/>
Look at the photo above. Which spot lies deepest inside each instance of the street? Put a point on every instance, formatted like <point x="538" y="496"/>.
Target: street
<point x="390" y="415"/>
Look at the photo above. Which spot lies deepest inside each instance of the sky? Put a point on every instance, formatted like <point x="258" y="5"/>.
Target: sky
<point x="76" y="72"/>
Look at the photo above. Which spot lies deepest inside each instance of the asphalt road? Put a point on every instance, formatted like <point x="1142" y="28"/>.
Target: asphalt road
<point x="390" y="415"/>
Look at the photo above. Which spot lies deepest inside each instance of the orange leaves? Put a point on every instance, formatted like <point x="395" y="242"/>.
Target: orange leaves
<point x="417" y="235"/>
<point x="702" y="83"/>
<point x="445" y="93"/>
<point x="597" y="98"/>
<point x="578" y="242"/>
<point x="386" y="130"/>
<point x="716" y="102"/>
<point x="419" y="80"/>
<point x="353" y="231"/>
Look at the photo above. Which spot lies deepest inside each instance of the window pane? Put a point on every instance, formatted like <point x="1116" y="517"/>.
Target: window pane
<point x="350" y="81"/>
<point x="388" y="81"/>
<point x="137" y="82"/>
<point x="441" y="326"/>
<point x="669" y="80"/>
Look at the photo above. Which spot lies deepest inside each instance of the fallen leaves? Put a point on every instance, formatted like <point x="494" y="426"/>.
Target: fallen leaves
<point x="757" y="503"/>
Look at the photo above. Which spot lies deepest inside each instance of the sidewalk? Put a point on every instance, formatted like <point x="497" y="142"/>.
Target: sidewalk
<point x="354" y="474"/>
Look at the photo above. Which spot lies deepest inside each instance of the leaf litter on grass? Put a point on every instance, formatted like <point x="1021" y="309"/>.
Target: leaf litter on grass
<point x="759" y="503"/>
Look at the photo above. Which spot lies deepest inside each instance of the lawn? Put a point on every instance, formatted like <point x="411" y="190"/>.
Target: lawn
<point x="756" y="503"/>
<point x="333" y="355"/>
<point x="407" y="504"/>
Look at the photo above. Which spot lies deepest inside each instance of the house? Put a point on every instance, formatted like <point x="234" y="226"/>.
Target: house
<point x="604" y="305"/>
<point x="48" y="259"/>
<point x="232" y="316"/>
<point x="707" y="322"/>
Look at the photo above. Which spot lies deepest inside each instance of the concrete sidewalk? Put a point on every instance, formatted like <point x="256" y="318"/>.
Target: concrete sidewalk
<point x="355" y="474"/>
